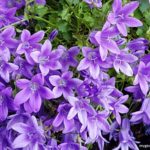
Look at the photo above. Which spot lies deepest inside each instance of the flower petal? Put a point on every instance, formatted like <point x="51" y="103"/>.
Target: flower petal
<point x="132" y="22"/>
<point x="72" y="113"/>
<point x="22" y="96"/>
<point x="20" y="141"/>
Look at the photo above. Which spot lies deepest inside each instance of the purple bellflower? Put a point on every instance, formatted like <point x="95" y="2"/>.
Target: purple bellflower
<point x="118" y="107"/>
<point x="7" y="38"/>
<point x="6" y="68"/>
<point x="138" y="44"/>
<point x="61" y="117"/>
<point x="105" y="41"/>
<point x="6" y="101"/>
<point x="121" y="62"/>
<point x="31" y="135"/>
<point x="143" y="77"/>
<point x="80" y="108"/>
<point x="64" y="84"/>
<point x="94" y="3"/>
<point x="53" y="34"/>
<point x="29" y="43"/>
<point x="98" y="123"/>
<point x="7" y="16"/>
<point x="143" y="114"/>
<point x="120" y="17"/>
<point x="32" y="93"/>
<point x="47" y="59"/>
<point x="91" y="61"/>
<point x="126" y="139"/>
<point x="68" y="57"/>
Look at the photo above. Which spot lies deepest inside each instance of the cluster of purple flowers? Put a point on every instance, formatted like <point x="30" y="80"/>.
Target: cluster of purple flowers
<point x="90" y="107"/>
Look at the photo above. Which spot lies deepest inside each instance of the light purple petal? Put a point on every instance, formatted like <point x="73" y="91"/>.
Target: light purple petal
<point x="54" y="80"/>
<point x="143" y="85"/>
<point x="22" y="96"/>
<point x="72" y="113"/>
<point x="58" y="120"/>
<point x="94" y="70"/>
<point x="130" y="8"/>
<point x="22" y="83"/>
<point x="35" y="56"/>
<point x="132" y="22"/>
<point x="57" y="92"/>
<point x="37" y="37"/>
<point x="20" y="141"/>
<point x="117" y="5"/>
<point x="46" y="93"/>
<point x="84" y="64"/>
<point x="20" y="127"/>
<point x="25" y="35"/>
<point x="44" y="69"/>
<point x="46" y="48"/>
<point x="103" y="52"/>
<point x="126" y="69"/>
<point x="122" y="28"/>
<point x="35" y="102"/>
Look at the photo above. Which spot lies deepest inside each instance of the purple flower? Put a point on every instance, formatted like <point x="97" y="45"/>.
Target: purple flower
<point x="80" y="108"/>
<point x="143" y="114"/>
<point x="6" y="68"/>
<point x="92" y="62"/>
<point x="7" y="16"/>
<point x="47" y="59"/>
<point x="105" y="41"/>
<point x="94" y="3"/>
<point x="121" y="62"/>
<point x="31" y="135"/>
<point x="126" y="139"/>
<point x="32" y="93"/>
<point x="6" y="101"/>
<point x="64" y="84"/>
<point x="25" y="69"/>
<point x="7" y="38"/>
<point x="96" y="124"/>
<point x="53" y="34"/>
<point x="41" y="2"/>
<point x="29" y="43"/>
<point x="120" y="16"/>
<point x="118" y="107"/>
<point x="61" y="117"/>
<point x="138" y="44"/>
<point x="143" y="77"/>
<point x="68" y="57"/>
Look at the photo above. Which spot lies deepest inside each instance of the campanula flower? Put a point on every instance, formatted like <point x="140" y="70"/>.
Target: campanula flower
<point x="32" y="92"/>
<point x="47" y="59"/>
<point x="120" y="16"/>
